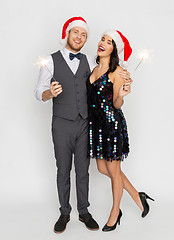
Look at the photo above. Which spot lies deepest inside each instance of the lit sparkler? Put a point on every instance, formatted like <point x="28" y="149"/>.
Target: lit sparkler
<point x="43" y="63"/>
<point x="143" y="55"/>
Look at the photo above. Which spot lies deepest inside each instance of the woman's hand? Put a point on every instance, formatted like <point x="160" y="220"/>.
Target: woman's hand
<point x="121" y="86"/>
<point x="125" y="89"/>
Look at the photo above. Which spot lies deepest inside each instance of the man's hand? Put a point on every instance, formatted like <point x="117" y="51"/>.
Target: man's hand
<point x="55" y="89"/>
<point x="125" y="75"/>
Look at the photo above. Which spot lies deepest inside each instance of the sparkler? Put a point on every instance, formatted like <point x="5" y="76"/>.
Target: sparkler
<point x="143" y="55"/>
<point x="43" y="63"/>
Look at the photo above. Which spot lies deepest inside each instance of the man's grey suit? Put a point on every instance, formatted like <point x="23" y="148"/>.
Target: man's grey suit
<point x="70" y="131"/>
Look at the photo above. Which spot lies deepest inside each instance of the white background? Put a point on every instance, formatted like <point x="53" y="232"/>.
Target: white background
<point x="28" y="195"/>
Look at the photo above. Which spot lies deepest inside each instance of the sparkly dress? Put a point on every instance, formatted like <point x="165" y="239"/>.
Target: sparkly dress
<point x="108" y="137"/>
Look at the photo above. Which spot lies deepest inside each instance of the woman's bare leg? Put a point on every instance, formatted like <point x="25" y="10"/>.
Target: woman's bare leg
<point x="102" y="167"/>
<point x="117" y="189"/>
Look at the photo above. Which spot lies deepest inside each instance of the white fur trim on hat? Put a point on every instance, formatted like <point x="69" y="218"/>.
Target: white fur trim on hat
<point x="78" y="23"/>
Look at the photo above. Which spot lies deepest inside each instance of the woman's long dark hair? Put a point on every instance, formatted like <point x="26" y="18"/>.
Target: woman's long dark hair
<point x="114" y="59"/>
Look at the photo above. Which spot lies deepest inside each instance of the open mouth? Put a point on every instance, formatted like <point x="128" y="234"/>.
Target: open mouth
<point x="101" y="49"/>
<point x="77" y="42"/>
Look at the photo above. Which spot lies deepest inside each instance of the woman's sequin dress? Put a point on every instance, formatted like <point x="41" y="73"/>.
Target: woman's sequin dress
<point x="108" y="137"/>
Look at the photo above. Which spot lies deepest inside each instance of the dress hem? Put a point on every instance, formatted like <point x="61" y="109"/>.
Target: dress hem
<point x="120" y="158"/>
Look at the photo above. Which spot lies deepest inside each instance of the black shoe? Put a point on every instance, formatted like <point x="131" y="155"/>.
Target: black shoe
<point x="143" y="197"/>
<point x="107" y="228"/>
<point x="60" y="225"/>
<point x="90" y="223"/>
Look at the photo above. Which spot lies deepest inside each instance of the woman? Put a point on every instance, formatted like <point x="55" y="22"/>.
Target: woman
<point x="108" y="138"/>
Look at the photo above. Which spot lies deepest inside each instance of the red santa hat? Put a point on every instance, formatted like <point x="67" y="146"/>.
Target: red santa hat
<point x="70" y="23"/>
<point x="121" y="43"/>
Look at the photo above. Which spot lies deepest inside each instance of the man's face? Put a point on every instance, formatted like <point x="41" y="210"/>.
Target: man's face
<point x="76" y="38"/>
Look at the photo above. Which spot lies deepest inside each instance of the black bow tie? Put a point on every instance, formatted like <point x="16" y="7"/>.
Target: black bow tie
<point x="72" y="56"/>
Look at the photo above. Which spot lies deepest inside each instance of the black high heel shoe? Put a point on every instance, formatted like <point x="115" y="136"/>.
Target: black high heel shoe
<point x="143" y="196"/>
<point x="110" y="228"/>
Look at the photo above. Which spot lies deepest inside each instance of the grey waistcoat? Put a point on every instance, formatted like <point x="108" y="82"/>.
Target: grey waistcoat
<point x="73" y="99"/>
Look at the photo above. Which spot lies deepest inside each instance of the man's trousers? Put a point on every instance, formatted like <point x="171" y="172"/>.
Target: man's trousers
<point x="71" y="137"/>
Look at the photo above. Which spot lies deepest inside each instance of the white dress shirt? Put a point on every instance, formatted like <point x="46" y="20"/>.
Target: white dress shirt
<point x="45" y="76"/>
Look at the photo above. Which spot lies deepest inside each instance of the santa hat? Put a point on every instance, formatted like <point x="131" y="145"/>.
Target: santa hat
<point x="121" y="43"/>
<point x="70" y="23"/>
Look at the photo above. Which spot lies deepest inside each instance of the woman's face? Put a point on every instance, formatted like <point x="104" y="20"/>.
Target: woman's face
<point x="105" y="46"/>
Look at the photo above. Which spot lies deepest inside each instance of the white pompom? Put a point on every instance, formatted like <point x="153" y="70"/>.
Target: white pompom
<point x="124" y="64"/>
<point x="63" y="42"/>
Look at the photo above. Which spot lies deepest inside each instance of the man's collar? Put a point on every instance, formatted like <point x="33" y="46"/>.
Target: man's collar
<point x="67" y="52"/>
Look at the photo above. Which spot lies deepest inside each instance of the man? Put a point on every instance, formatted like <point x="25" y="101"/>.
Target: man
<point x="70" y="69"/>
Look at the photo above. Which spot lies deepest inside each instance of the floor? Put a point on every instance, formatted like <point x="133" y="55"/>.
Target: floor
<point x="31" y="222"/>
